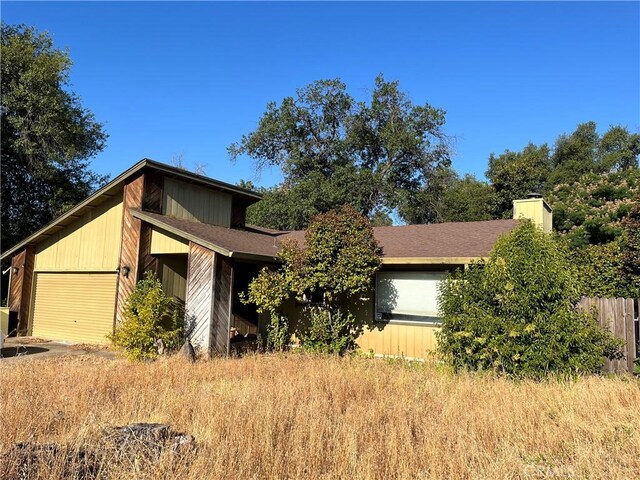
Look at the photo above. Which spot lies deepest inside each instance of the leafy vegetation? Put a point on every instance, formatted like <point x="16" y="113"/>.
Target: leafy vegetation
<point x="332" y="273"/>
<point x="47" y="135"/>
<point x="515" y="312"/>
<point x="150" y="316"/>
<point x="332" y="149"/>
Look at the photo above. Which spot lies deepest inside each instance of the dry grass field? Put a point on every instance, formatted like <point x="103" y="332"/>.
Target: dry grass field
<point x="305" y="417"/>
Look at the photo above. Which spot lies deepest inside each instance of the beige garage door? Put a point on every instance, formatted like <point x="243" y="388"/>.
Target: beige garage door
<point x="78" y="307"/>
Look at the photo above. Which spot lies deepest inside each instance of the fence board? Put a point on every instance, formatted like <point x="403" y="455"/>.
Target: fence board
<point x="617" y="316"/>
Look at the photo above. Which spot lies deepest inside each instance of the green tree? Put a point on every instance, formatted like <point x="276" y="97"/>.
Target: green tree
<point x="467" y="199"/>
<point x="47" y="136"/>
<point x="515" y="312"/>
<point x="592" y="209"/>
<point x="515" y="174"/>
<point x="332" y="272"/>
<point x="334" y="150"/>
<point x="576" y="154"/>
<point x="631" y="248"/>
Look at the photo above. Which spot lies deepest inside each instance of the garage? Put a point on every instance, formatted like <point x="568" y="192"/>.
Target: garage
<point x="76" y="307"/>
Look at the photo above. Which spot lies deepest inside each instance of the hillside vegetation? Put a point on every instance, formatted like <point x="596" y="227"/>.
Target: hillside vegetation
<point x="322" y="417"/>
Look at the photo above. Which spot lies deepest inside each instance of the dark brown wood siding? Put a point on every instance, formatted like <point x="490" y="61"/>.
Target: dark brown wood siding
<point x="151" y="202"/>
<point x="238" y="213"/>
<point x="144" y="191"/>
<point x="153" y="192"/>
<point x="20" y="289"/>
<point x="199" y="295"/>
<point x="221" y="321"/>
<point x="130" y="243"/>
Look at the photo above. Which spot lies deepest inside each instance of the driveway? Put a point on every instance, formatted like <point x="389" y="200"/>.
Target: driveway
<point x="28" y="348"/>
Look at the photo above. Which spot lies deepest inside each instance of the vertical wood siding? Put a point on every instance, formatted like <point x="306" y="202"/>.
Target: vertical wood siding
<point x="415" y="341"/>
<point x="174" y="275"/>
<point x="130" y="242"/>
<point x="153" y="192"/>
<point x="151" y="201"/>
<point x="163" y="243"/>
<point x="200" y="293"/>
<point x="222" y="306"/>
<point x="191" y="202"/>
<point x="91" y="243"/>
<point x="20" y="289"/>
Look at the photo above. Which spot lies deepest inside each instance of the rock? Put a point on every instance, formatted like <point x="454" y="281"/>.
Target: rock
<point x="140" y="444"/>
<point x="147" y="440"/>
<point x="188" y="352"/>
<point x="27" y="460"/>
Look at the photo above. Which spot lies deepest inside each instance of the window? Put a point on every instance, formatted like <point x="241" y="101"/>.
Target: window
<point x="408" y="296"/>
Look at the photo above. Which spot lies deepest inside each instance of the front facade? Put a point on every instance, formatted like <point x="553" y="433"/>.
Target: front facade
<point x="70" y="280"/>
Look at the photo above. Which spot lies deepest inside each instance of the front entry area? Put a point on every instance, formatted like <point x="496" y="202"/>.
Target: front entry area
<point x="74" y="306"/>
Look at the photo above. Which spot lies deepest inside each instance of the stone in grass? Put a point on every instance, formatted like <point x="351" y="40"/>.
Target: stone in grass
<point x="147" y="441"/>
<point x="140" y="444"/>
<point x="188" y="352"/>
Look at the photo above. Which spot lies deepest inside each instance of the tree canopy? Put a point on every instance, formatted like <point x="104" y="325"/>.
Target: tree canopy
<point x="47" y="135"/>
<point x="332" y="149"/>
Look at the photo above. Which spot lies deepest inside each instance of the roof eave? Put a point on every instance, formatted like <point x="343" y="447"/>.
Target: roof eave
<point x="194" y="238"/>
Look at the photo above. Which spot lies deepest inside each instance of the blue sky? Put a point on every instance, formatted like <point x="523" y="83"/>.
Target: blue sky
<point x="190" y="78"/>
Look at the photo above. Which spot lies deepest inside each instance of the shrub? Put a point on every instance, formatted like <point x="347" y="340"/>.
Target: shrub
<point x="515" y="312"/>
<point x="326" y="332"/>
<point x="150" y="315"/>
<point x="336" y="264"/>
<point x="278" y="336"/>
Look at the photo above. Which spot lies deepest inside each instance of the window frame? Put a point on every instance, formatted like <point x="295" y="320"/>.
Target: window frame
<point x="422" y="321"/>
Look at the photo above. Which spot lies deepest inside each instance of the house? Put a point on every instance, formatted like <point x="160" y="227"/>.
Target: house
<point x="70" y="279"/>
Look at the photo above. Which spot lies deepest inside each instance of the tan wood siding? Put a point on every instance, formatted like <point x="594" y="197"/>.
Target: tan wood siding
<point x="163" y="243"/>
<point x="76" y="307"/>
<point x="174" y="275"/>
<point x="191" y="202"/>
<point x="199" y="292"/>
<point x="91" y="243"/>
<point x="415" y="341"/>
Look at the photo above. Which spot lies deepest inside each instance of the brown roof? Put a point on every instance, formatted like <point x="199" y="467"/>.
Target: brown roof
<point x="232" y="242"/>
<point x="439" y="240"/>
<point x="454" y="239"/>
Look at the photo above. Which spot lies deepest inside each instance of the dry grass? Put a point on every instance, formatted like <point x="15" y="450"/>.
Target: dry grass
<point x="302" y="417"/>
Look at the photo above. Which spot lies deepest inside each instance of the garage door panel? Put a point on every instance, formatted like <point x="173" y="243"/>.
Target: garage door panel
<point x="76" y="307"/>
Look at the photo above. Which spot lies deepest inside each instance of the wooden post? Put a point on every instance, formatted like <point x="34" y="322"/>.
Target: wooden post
<point x="22" y="265"/>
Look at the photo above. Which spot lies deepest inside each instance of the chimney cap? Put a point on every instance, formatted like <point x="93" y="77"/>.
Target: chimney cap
<point x="534" y="195"/>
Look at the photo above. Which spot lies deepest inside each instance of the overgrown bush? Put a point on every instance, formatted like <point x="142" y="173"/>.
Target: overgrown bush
<point x="278" y="334"/>
<point x="150" y="316"/>
<point x="336" y="266"/>
<point x="325" y="331"/>
<point x="515" y="312"/>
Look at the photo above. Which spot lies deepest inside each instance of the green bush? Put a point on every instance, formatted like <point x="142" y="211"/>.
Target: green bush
<point x="336" y="263"/>
<point x="326" y="331"/>
<point x="150" y="316"/>
<point x="278" y="335"/>
<point x="515" y="312"/>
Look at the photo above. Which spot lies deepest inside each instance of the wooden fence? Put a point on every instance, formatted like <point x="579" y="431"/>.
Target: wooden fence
<point x="620" y="317"/>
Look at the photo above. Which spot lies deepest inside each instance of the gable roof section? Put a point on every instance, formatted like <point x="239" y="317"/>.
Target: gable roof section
<point x="226" y="241"/>
<point x="114" y="186"/>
